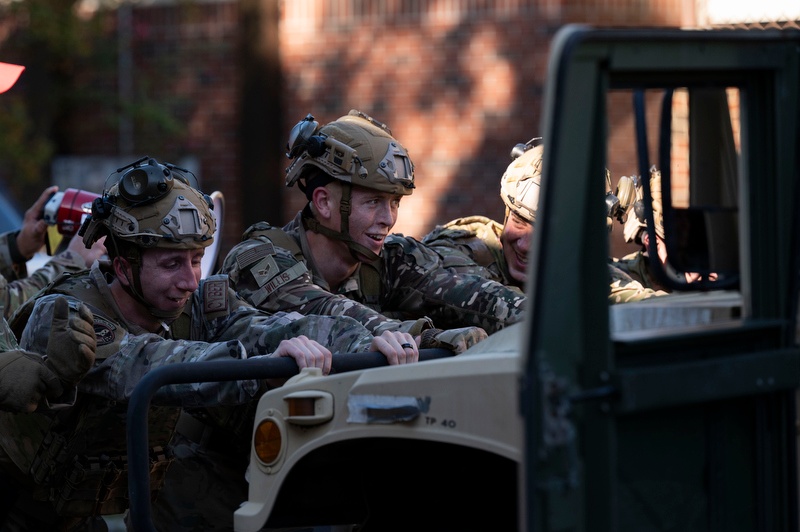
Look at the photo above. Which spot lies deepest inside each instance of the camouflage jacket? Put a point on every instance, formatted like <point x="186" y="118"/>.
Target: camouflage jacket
<point x="408" y="282"/>
<point x="215" y="325"/>
<point x="7" y="339"/>
<point x="625" y="289"/>
<point x="12" y="265"/>
<point x="637" y="265"/>
<point x="478" y="239"/>
<point x="20" y="289"/>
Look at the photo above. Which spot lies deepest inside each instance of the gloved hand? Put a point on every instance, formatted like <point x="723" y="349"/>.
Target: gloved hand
<point x="72" y="343"/>
<point x="458" y="340"/>
<point x="25" y="380"/>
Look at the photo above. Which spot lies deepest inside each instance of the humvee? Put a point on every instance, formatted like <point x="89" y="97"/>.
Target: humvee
<point x="673" y="413"/>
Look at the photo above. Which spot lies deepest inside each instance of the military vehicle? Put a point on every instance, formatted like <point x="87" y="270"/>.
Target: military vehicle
<point x="672" y="413"/>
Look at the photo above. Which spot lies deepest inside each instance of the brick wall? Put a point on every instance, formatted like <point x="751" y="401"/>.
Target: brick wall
<point x="458" y="81"/>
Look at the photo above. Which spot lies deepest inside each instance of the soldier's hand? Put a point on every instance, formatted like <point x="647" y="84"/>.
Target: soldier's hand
<point x="398" y="347"/>
<point x="72" y="343"/>
<point x="32" y="233"/>
<point x="25" y="380"/>
<point x="458" y="340"/>
<point x="306" y="352"/>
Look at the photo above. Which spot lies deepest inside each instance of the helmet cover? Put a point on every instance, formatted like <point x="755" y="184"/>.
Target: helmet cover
<point x="355" y="149"/>
<point x="519" y="186"/>
<point x="181" y="217"/>
<point x="636" y="216"/>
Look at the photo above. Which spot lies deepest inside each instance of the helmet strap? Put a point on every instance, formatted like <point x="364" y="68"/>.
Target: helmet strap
<point x="134" y="287"/>
<point x="312" y="224"/>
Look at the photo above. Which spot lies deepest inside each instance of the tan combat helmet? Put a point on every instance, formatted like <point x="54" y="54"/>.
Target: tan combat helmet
<point x="355" y="149"/>
<point x="618" y="203"/>
<point x="150" y="205"/>
<point x="519" y="186"/>
<point x="636" y="221"/>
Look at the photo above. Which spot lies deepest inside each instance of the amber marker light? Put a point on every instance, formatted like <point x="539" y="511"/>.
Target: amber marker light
<point x="309" y="407"/>
<point x="301" y="406"/>
<point x="267" y="441"/>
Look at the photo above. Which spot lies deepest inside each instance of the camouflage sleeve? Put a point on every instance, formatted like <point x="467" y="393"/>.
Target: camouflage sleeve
<point x="21" y="290"/>
<point x="7" y="339"/>
<point x="421" y="286"/>
<point x="260" y="333"/>
<point x="455" y="253"/>
<point x="12" y="266"/>
<point x="124" y="358"/>
<point x="459" y="258"/>
<point x="273" y="280"/>
<point x="624" y="289"/>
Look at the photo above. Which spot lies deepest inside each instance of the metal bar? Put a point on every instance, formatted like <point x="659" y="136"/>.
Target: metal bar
<point x="216" y="371"/>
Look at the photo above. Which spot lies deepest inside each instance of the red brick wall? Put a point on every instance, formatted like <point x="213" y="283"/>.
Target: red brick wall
<point x="458" y="81"/>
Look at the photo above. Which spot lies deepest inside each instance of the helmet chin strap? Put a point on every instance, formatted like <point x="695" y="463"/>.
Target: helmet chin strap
<point x="134" y="288"/>
<point x="312" y="224"/>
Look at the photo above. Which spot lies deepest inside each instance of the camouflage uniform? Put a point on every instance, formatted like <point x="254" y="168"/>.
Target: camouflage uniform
<point x="637" y="265"/>
<point x="474" y="237"/>
<point x="70" y="464"/>
<point x="474" y="243"/>
<point x="125" y="353"/>
<point x="413" y="284"/>
<point x="7" y="339"/>
<point x="19" y="286"/>
<point x="625" y="289"/>
<point x="12" y="263"/>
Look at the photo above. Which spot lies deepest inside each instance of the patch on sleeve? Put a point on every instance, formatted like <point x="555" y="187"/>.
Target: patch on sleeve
<point x="252" y="255"/>
<point x="104" y="330"/>
<point x="265" y="270"/>
<point x="284" y="277"/>
<point x="215" y="295"/>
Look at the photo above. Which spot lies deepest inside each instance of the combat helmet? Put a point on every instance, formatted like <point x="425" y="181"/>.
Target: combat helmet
<point x="152" y="205"/>
<point x="519" y="186"/>
<point x="636" y="220"/>
<point x="149" y="205"/>
<point x="354" y="149"/>
<point x="619" y="203"/>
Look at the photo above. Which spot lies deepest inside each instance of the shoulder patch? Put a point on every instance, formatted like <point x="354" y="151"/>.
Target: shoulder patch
<point x="215" y="295"/>
<point x="104" y="330"/>
<point x="254" y="254"/>
<point x="291" y="274"/>
<point x="264" y="270"/>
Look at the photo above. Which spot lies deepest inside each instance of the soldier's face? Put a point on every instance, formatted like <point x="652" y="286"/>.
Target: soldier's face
<point x="372" y="217"/>
<point x="516" y="239"/>
<point x="170" y="276"/>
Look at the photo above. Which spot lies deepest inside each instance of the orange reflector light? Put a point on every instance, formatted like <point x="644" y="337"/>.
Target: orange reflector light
<point x="301" y="406"/>
<point x="267" y="441"/>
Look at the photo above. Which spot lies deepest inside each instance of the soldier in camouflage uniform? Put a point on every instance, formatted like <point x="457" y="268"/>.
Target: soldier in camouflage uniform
<point x="624" y="288"/>
<point x="502" y="249"/>
<point x="150" y="308"/>
<point x="26" y="379"/>
<point x="17" y="247"/>
<point x="338" y="255"/>
<point x="637" y="265"/>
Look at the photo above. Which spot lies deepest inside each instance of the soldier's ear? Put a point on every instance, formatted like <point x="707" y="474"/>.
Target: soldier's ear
<point x="323" y="201"/>
<point x="644" y="236"/>
<point x="122" y="270"/>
